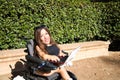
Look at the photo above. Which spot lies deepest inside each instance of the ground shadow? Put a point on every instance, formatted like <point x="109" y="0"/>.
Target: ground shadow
<point x="112" y="60"/>
<point x="18" y="70"/>
<point x="114" y="45"/>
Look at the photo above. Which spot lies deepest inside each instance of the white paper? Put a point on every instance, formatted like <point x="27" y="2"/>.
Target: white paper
<point x="71" y="56"/>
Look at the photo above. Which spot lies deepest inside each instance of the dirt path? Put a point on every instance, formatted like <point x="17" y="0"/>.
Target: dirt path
<point x="101" y="68"/>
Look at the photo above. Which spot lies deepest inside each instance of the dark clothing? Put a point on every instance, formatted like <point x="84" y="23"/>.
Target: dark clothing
<point x="53" y="50"/>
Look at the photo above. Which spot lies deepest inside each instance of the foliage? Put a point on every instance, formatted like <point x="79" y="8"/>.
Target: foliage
<point x="68" y="20"/>
<point x="110" y="20"/>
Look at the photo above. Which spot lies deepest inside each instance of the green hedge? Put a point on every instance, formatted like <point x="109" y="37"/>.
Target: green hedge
<point x="111" y="20"/>
<point x="69" y="20"/>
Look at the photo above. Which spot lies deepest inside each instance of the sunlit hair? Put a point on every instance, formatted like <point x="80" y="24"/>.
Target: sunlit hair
<point x="38" y="41"/>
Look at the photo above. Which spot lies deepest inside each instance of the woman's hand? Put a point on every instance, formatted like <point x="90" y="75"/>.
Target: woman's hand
<point x="61" y="54"/>
<point x="53" y="58"/>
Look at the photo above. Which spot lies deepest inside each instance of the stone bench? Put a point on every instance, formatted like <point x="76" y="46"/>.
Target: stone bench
<point x="10" y="59"/>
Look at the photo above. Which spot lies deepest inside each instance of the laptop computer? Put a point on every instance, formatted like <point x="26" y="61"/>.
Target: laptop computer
<point x="66" y="59"/>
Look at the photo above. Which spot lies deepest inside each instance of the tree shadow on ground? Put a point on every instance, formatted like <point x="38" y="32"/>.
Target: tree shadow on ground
<point x="112" y="60"/>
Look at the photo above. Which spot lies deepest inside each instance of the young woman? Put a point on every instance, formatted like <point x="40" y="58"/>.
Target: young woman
<point x="47" y="49"/>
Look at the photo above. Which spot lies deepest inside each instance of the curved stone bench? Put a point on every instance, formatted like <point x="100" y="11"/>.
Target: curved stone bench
<point x="10" y="59"/>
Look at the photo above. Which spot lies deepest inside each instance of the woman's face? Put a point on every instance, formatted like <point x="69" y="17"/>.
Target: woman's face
<point x="45" y="37"/>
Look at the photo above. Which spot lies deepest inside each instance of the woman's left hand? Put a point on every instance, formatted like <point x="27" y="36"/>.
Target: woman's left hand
<point x="61" y="54"/>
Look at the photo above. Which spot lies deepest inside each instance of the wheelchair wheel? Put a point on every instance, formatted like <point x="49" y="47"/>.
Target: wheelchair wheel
<point x="72" y="75"/>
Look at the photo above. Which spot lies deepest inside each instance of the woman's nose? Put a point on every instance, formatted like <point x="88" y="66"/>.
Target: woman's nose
<point x="45" y="37"/>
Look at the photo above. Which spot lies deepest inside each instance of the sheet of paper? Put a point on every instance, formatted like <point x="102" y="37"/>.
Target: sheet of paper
<point x="71" y="56"/>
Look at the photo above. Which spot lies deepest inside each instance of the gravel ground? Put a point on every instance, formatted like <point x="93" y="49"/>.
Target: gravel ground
<point x="100" y="68"/>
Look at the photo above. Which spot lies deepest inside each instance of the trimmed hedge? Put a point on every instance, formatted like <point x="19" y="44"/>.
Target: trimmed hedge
<point x="111" y="20"/>
<point x="68" y="20"/>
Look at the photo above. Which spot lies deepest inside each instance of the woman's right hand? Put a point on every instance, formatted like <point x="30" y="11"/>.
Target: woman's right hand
<point x="53" y="58"/>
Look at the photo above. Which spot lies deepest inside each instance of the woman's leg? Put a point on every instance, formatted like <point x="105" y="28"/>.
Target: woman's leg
<point x="62" y="71"/>
<point x="45" y="74"/>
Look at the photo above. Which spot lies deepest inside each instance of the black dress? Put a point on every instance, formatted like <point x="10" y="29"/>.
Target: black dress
<point x="53" y="50"/>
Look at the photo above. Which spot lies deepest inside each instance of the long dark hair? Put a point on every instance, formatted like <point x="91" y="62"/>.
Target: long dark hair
<point x="37" y="33"/>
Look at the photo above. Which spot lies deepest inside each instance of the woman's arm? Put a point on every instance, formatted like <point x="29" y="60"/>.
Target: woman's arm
<point x="45" y="56"/>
